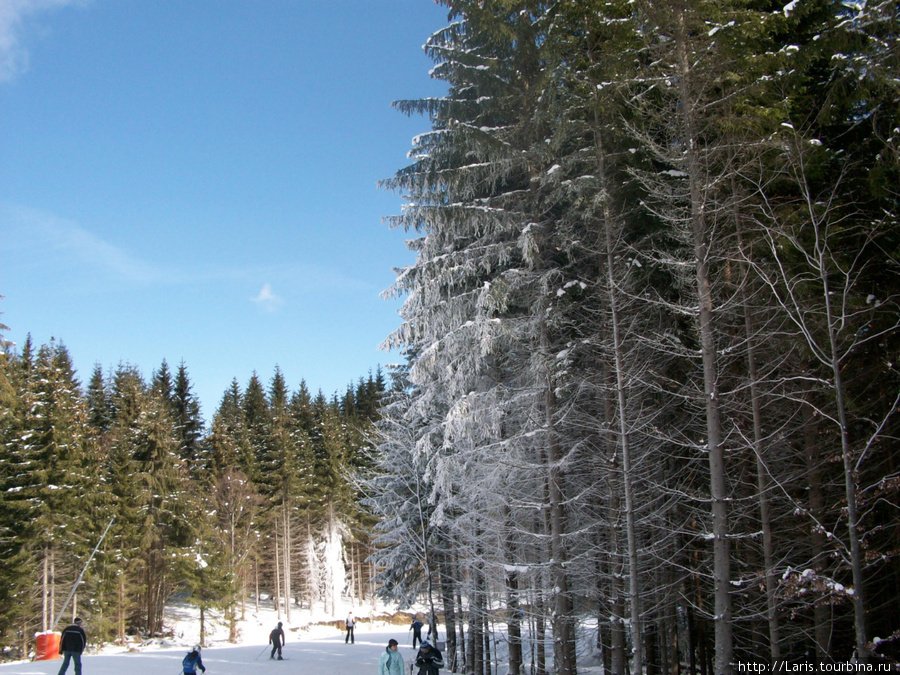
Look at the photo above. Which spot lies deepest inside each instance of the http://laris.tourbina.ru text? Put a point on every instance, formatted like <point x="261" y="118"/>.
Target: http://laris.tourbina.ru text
<point x="811" y="668"/>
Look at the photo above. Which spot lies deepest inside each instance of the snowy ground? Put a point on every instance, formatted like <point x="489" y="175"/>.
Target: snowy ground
<point x="311" y="648"/>
<point x="320" y="652"/>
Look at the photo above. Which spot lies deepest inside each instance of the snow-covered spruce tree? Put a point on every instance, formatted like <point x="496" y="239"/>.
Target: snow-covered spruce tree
<point x="189" y="423"/>
<point x="12" y="548"/>
<point x="302" y="423"/>
<point x="236" y="505"/>
<point x="208" y="575"/>
<point x="227" y="438"/>
<point x="99" y="404"/>
<point x="413" y="556"/>
<point x="479" y="314"/>
<point x="278" y="483"/>
<point x="360" y="409"/>
<point x="125" y="392"/>
<point x="165" y="534"/>
<point x="592" y="49"/>
<point x="257" y="418"/>
<point x="54" y="471"/>
<point x="399" y="491"/>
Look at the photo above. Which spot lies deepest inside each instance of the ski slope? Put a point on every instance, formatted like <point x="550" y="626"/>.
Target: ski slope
<point x="316" y="655"/>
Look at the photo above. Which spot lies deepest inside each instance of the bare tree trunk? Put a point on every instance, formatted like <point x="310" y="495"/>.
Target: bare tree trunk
<point x="447" y="584"/>
<point x="276" y="597"/>
<point x="718" y="488"/>
<point x="121" y="610"/>
<point x="762" y="474"/>
<point x="287" y="561"/>
<point x="614" y="557"/>
<point x="540" y="632"/>
<point x="464" y="661"/>
<point x="487" y="645"/>
<point x="856" y="556"/>
<point x="52" y="583"/>
<point x="622" y="421"/>
<point x="476" y="626"/>
<point x="563" y="619"/>
<point x="513" y="609"/>
<point x="818" y="540"/>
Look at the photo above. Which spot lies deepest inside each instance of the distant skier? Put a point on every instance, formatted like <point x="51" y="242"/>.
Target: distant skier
<point x="72" y="644"/>
<point x="416" y="628"/>
<point x="391" y="661"/>
<point x="276" y="639"/>
<point x="350" y="623"/>
<point x="192" y="661"/>
<point x="429" y="659"/>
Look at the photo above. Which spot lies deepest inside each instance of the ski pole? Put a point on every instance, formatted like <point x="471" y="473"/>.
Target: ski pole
<point x="261" y="653"/>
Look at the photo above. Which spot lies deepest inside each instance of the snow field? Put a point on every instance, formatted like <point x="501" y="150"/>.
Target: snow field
<point x="322" y="652"/>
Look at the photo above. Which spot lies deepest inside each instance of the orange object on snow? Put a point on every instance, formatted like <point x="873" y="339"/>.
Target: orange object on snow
<point x="47" y="646"/>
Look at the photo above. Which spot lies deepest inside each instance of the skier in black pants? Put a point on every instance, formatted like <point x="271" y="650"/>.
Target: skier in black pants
<point x="72" y="644"/>
<point x="350" y="623"/>
<point x="276" y="637"/>
<point x="416" y="628"/>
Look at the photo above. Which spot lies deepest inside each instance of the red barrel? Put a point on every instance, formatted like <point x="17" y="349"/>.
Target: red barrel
<point x="47" y="647"/>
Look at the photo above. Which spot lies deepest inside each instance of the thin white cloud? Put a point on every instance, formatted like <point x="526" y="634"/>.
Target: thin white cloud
<point x="14" y="15"/>
<point x="33" y="230"/>
<point x="267" y="299"/>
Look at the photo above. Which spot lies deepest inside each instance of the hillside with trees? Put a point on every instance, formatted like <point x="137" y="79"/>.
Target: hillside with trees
<point x="258" y="505"/>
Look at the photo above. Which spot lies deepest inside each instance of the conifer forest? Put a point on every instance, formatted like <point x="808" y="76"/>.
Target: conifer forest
<point x="646" y="417"/>
<point x="253" y="507"/>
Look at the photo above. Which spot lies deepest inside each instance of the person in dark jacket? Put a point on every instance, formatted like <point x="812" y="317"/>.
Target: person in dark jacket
<point x="192" y="662"/>
<point x="276" y="639"/>
<point x="416" y="628"/>
<point x="429" y="659"/>
<point x="72" y="644"/>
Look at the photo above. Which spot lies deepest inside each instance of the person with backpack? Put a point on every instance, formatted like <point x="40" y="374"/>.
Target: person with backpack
<point x="72" y="643"/>
<point x="429" y="659"/>
<point x="350" y="623"/>
<point x="276" y="639"/>
<point x="192" y="661"/>
<point x="391" y="661"/>
<point x="416" y="628"/>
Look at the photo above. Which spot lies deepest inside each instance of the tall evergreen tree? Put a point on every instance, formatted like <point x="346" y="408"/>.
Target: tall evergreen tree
<point x="188" y="421"/>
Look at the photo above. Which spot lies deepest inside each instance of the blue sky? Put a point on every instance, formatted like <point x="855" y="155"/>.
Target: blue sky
<point x="196" y="180"/>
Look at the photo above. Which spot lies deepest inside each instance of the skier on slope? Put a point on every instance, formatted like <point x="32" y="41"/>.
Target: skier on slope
<point x="391" y="661"/>
<point x="350" y="624"/>
<point x="192" y="661"/>
<point x="276" y="639"/>
<point x="416" y="628"/>
<point x="72" y="644"/>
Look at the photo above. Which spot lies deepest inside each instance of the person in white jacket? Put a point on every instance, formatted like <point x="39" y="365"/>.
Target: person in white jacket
<point x="391" y="661"/>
